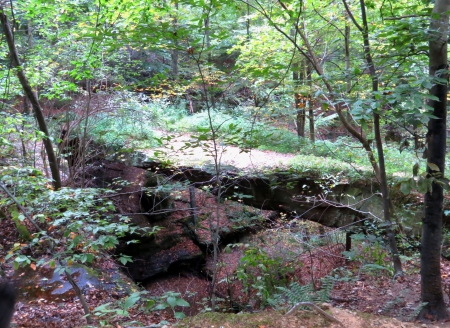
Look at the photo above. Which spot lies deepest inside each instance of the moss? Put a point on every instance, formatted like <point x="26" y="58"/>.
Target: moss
<point x="22" y="229"/>
<point x="253" y="320"/>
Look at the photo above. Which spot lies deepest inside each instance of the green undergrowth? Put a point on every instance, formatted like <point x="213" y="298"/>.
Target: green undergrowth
<point x="122" y="131"/>
<point x="139" y="123"/>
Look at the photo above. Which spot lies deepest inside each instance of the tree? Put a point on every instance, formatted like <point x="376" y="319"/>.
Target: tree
<point x="7" y="302"/>
<point x="306" y="45"/>
<point x="382" y="178"/>
<point x="32" y="98"/>
<point x="436" y="141"/>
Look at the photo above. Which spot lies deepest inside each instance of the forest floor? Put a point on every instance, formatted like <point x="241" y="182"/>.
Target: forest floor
<point x="371" y="299"/>
<point x="364" y="300"/>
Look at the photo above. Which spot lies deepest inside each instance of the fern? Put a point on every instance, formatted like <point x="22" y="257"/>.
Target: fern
<point x="296" y="293"/>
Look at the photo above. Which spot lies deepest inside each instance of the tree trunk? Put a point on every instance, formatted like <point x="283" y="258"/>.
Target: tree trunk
<point x="175" y="52"/>
<point x="307" y="50"/>
<point x="247" y="23"/>
<point x="33" y="99"/>
<point x="430" y="256"/>
<point x="298" y="76"/>
<point x="348" y="80"/>
<point x="208" y="37"/>
<point x="312" y="134"/>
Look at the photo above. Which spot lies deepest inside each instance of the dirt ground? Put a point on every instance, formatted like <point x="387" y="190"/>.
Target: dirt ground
<point x="227" y="155"/>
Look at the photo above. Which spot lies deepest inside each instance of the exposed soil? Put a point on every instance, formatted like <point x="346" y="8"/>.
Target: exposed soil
<point x="179" y="151"/>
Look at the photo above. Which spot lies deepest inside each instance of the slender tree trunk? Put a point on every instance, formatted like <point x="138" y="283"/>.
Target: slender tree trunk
<point x="83" y="145"/>
<point x="33" y="99"/>
<point x="208" y="37"/>
<point x="247" y="23"/>
<point x="430" y="256"/>
<point x="348" y="80"/>
<point x="175" y="51"/>
<point x="174" y="59"/>
<point x="298" y="76"/>
<point x="193" y="205"/>
<point x="312" y="134"/>
<point x="364" y="29"/>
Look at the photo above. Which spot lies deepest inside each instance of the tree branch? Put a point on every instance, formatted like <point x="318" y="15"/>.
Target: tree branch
<point x="318" y="309"/>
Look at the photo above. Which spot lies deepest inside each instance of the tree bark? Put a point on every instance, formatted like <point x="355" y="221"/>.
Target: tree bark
<point x="312" y="133"/>
<point x="299" y="100"/>
<point x="430" y="256"/>
<point x="247" y="23"/>
<point x="52" y="160"/>
<point x="175" y="52"/>
<point x="298" y="78"/>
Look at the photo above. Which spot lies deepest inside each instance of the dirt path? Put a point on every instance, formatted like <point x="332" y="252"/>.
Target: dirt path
<point x="179" y="152"/>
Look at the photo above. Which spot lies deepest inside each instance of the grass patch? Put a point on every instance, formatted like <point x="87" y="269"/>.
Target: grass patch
<point x="347" y="156"/>
<point x="323" y="166"/>
<point x="122" y="131"/>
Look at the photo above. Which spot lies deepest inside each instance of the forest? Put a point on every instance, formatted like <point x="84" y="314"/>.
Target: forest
<point x="224" y="163"/>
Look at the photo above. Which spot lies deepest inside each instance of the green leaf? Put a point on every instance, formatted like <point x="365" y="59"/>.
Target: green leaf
<point x="405" y="187"/>
<point x="423" y="185"/>
<point x="149" y="304"/>
<point x="124" y="259"/>
<point x="433" y="167"/>
<point x="182" y="302"/>
<point x="102" y="309"/>
<point x="160" y="306"/>
<point x="172" y="301"/>
<point x="179" y="315"/>
<point x="131" y="300"/>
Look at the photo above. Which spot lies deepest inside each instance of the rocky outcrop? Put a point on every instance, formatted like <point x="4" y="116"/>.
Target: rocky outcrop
<point x="128" y="180"/>
<point x="317" y="200"/>
<point x="148" y="263"/>
<point x="181" y="240"/>
<point x="155" y="196"/>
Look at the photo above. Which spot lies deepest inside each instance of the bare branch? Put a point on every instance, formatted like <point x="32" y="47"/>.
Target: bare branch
<point x="318" y="309"/>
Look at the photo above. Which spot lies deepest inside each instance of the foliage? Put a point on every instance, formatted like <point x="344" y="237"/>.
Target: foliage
<point x="120" y="309"/>
<point x="371" y="253"/>
<point x="262" y="273"/>
<point x="245" y="217"/>
<point x="16" y="129"/>
<point x="119" y="45"/>
<point x="140" y="299"/>
<point x="355" y="158"/>
<point x="171" y="300"/>
<point x="77" y="225"/>
<point x="296" y="293"/>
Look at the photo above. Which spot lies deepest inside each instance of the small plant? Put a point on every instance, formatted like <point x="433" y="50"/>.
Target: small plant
<point x="371" y="253"/>
<point x="171" y="300"/>
<point x="297" y="293"/>
<point x="343" y="274"/>
<point x="260" y="272"/>
<point x="122" y="306"/>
